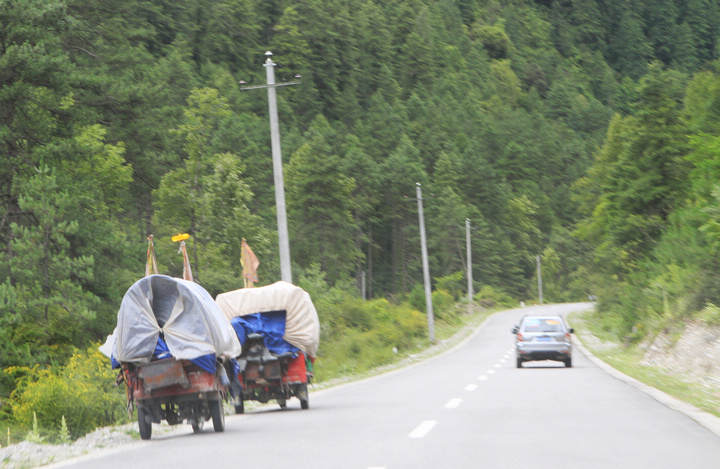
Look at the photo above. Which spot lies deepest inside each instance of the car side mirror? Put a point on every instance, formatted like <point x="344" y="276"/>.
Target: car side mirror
<point x="571" y="330"/>
<point x="515" y="330"/>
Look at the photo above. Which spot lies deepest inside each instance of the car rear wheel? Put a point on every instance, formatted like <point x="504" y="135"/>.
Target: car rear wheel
<point x="568" y="363"/>
<point x="519" y="363"/>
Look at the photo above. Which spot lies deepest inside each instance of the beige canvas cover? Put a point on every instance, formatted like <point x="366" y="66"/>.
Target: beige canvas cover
<point x="302" y="326"/>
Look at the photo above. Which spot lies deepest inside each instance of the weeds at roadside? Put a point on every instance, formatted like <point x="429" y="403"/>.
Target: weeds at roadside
<point x="694" y="390"/>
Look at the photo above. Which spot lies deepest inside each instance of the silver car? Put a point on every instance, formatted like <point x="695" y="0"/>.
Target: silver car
<point x="543" y="338"/>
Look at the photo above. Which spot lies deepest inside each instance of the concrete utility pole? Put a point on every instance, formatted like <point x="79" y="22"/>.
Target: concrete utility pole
<point x="283" y="241"/>
<point x="363" y="288"/>
<point x="426" y="268"/>
<point x="471" y="293"/>
<point x="539" y="273"/>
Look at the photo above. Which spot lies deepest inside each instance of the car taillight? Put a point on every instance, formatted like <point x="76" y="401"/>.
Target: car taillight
<point x="567" y="336"/>
<point x="519" y="337"/>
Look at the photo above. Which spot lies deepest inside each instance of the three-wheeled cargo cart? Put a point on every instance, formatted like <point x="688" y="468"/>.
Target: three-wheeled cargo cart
<point x="175" y="349"/>
<point x="264" y="375"/>
<point x="279" y="330"/>
<point x="175" y="391"/>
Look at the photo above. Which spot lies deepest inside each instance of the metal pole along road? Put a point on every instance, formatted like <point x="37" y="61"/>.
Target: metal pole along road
<point x="426" y="268"/>
<point x="283" y="241"/>
<point x="469" y="261"/>
<point x="285" y="270"/>
<point x="539" y="274"/>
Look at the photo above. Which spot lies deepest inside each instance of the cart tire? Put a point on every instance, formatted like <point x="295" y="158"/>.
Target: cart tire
<point x="144" y="423"/>
<point x="196" y="426"/>
<point x="282" y="403"/>
<point x="303" y="396"/>
<point x="218" y="415"/>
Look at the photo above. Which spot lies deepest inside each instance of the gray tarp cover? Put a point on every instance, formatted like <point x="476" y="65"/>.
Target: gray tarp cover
<point x="302" y="326"/>
<point x="192" y="323"/>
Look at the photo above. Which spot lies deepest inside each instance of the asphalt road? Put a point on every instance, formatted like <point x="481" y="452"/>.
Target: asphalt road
<point x="467" y="408"/>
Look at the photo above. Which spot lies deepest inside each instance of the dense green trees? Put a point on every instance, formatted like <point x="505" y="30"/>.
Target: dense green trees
<point x="120" y="121"/>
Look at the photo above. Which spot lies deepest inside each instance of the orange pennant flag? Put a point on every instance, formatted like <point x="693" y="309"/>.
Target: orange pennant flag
<point x="250" y="264"/>
<point x="151" y="264"/>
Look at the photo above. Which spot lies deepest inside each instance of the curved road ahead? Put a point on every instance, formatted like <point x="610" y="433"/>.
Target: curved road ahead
<point x="467" y="408"/>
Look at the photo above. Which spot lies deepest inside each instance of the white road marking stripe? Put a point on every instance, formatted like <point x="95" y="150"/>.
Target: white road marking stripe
<point x="497" y="365"/>
<point x="453" y="403"/>
<point x="491" y="372"/>
<point x="422" y="429"/>
<point x="482" y="378"/>
<point x="471" y="387"/>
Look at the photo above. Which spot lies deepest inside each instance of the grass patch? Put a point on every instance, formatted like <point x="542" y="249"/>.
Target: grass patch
<point x="357" y="355"/>
<point x="702" y="393"/>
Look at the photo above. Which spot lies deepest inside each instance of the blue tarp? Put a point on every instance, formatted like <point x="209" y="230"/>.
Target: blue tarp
<point x="271" y="325"/>
<point x="206" y="362"/>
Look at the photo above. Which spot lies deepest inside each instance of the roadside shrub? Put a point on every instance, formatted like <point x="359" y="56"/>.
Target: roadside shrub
<point x="354" y="313"/>
<point x="455" y="284"/>
<point x="710" y="315"/>
<point x="416" y="297"/>
<point x="443" y="304"/>
<point x="83" y="391"/>
<point x="489" y="297"/>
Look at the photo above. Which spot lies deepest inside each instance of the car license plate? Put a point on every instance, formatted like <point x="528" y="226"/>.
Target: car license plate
<point x="544" y="339"/>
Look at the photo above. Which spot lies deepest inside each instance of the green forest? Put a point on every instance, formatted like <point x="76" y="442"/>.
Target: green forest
<point x="585" y="132"/>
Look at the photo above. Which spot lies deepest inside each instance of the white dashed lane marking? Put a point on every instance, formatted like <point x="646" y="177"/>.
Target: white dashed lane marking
<point x="471" y="387"/>
<point x="453" y="403"/>
<point x="422" y="429"/>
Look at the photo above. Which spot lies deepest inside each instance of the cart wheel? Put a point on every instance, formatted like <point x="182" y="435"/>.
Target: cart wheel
<point x="196" y="426"/>
<point x="302" y="394"/>
<point x="218" y="415"/>
<point x="144" y="423"/>
<point x="282" y="403"/>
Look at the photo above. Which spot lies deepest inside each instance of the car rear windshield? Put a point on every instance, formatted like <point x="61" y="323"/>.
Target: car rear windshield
<point x="542" y="325"/>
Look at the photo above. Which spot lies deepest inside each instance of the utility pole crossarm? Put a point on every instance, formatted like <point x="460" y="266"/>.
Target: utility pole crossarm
<point x="275" y="85"/>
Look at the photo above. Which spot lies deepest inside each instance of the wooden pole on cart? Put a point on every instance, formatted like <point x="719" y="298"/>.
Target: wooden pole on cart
<point x="187" y="271"/>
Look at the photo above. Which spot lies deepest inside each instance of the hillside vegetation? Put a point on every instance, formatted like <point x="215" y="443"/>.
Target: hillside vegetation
<point x="585" y="132"/>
